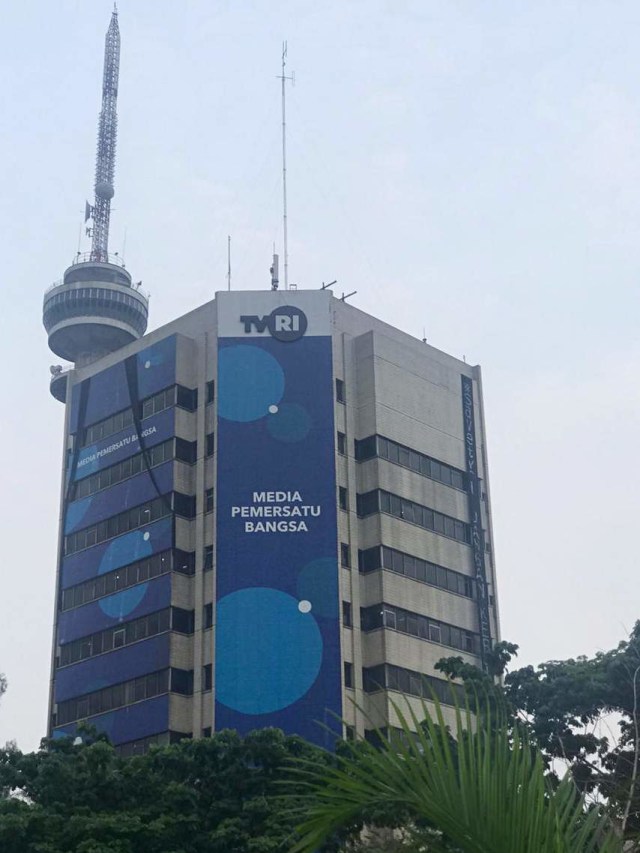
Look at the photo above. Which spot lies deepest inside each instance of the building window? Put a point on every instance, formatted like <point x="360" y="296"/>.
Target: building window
<point x="124" y="419"/>
<point x="127" y="576"/>
<point x="124" y="470"/>
<point x="380" y="501"/>
<point x="209" y="445"/>
<point x="345" y="555"/>
<point x="131" y="519"/>
<point x="184" y="505"/>
<point x="349" y="733"/>
<point x="140" y="746"/>
<point x="346" y="614"/>
<point x="187" y="398"/>
<point x="208" y="558"/>
<point x="207" y="616"/>
<point x="207" y="678"/>
<point x="208" y="500"/>
<point x="181" y="681"/>
<point x="343" y="498"/>
<point x="117" y="696"/>
<point x="186" y="451"/>
<point x="384" y="448"/>
<point x="211" y="392"/>
<point x="115" y="638"/>
<point x="182" y="620"/>
<point x="348" y="674"/>
<point x="382" y="557"/>
<point x="417" y="625"/>
<point x="206" y="732"/>
<point x="389" y="677"/>
<point x="340" y="391"/>
<point x="342" y="444"/>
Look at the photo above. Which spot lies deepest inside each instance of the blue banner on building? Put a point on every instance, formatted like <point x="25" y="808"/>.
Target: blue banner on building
<point x="277" y="645"/>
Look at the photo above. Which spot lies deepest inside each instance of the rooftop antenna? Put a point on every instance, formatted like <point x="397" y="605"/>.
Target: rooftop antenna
<point x="283" y="78"/>
<point x="274" y="270"/>
<point x="424" y="335"/>
<point x="330" y="284"/>
<point x="229" y="262"/>
<point x="106" y="156"/>
<point x="345" y="296"/>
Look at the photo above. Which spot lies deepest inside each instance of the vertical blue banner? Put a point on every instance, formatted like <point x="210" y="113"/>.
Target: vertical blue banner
<point x="277" y="653"/>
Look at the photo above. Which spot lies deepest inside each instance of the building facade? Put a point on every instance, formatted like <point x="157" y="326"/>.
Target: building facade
<point x="275" y="512"/>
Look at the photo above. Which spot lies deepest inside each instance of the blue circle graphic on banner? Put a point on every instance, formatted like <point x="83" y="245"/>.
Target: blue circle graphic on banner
<point x="290" y="423"/>
<point x="125" y="549"/>
<point x="123" y="603"/>
<point x="249" y="381"/>
<point x="76" y="511"/>
<point x="268" y="650"/>
<point x="318" y="583"/>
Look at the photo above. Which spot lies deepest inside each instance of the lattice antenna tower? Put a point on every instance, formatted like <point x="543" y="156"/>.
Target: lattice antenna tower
<point x="106" y="154"/>
<point x="283" y="78"/>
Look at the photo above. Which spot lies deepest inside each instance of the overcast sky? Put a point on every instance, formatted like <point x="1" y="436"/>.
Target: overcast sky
<point x="470" y="168"/>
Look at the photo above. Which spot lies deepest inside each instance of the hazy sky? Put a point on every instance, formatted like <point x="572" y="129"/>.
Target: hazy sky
<point x="472" y="168"/>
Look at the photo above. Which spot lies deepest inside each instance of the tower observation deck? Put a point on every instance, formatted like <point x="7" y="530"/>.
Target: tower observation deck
<point x="95" y="309"/>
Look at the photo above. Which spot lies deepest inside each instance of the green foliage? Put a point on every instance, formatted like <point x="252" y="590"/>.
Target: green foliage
<point x="583" y="713"/>
<point x="216" y="795"/>
<point x="483" y="791"/>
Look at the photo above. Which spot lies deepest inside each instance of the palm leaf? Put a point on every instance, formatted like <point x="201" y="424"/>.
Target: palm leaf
<point x="485" y="790"/>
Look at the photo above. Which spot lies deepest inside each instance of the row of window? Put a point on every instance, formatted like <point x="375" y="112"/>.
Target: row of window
<point x="421" y="570"/>
<point x="386" y="676"/>
<point x="126" y="693"/>
<point x="127" y="576"/>
<point x="123" y="470"/>
<point x="426" y="628"/>
<point x="175" y="395"/>
<point x="381" y="501"/>
<point x="170" y="619"/>
<point x="377" y="445"/>
<point x="130" y="519"/>
<point x="144" y="744"/>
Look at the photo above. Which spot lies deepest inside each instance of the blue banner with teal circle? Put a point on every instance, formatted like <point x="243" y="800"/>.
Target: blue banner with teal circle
<point x="277" y="639"/>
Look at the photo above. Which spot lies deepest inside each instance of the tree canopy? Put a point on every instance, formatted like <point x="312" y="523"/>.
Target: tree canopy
<point x="583" y="713"/>
<point x="221" y="794"/>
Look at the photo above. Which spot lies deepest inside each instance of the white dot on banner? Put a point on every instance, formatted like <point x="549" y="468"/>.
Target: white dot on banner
<point x="273" y="409"/>
<point x="304" y="606"/>
<point x="146" y="536"/>
<point x="147" y="364"/>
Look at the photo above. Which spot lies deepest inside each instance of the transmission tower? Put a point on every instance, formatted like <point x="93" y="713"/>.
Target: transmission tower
<point x="96" y="308"/>
<point x="106" y="154"/>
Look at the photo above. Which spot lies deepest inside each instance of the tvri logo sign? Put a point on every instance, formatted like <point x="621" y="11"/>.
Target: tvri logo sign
<point x="285" y="323"/>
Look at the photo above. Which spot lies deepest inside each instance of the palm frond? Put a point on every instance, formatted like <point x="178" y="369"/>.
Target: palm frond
<point x="484" y="788"/>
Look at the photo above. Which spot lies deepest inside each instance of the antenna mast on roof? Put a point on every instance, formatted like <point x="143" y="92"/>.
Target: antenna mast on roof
<point x="106" y="156"/>
<point x="283" y="78"/>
